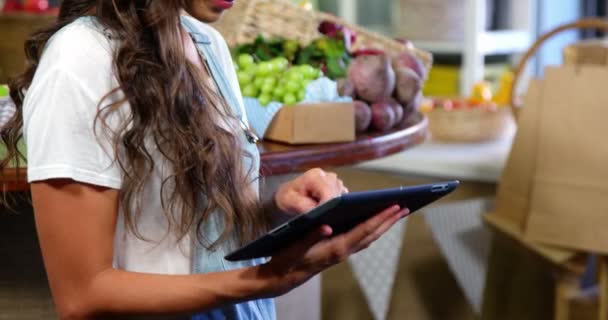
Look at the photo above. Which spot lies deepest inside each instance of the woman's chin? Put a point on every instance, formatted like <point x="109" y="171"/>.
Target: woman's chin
<point x="210" y="11"/>
<point x="211" y="16"/>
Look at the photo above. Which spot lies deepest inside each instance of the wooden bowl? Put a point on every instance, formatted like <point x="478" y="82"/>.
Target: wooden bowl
<point x="470" y="124"/>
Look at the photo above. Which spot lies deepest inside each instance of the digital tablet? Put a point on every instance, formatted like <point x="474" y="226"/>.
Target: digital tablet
<point x="342" y="214"/>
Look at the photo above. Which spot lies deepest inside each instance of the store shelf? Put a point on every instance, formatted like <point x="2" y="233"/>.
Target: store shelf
<point x="490" y="42"/>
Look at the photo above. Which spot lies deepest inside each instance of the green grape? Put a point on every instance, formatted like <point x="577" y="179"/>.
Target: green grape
<point x="308" y="71"/>
<point x="305" y="83"/>
<point x="295" y="76"/>
<point x="264" y="99"/>
<point x="279" y="92"/>
<point x="267" y="88"/>
<point x="282" y="62"/>
<point x="250" y="90"/>
<point x="290" y="99"/>
<point x="277" y="66"/>
<point x="291" y="46"/>
<point x="301" y="95"/>
<point x="292" y="86"/>
<point x="289" y="72"/>
<point x="245" y="77"/>
<point x="244" y="60"/>
<point x="264" y="69"/>
<point x="258" y="82"/>
<point x="271" y="81"/>
<point x="250" y="68"/>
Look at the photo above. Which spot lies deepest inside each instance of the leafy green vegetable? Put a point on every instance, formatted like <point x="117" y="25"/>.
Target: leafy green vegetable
<point x="327" y="53"/>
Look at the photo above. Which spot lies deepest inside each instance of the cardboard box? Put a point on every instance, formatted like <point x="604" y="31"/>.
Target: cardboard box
<point x="587" y="52"/>
<point x="313" y="123"/>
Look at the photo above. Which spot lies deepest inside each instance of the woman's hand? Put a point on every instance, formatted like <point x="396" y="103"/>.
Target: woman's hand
<point x="307" y="191"/>
<point x="301" y="261"/>
<point x="317" y="252"/>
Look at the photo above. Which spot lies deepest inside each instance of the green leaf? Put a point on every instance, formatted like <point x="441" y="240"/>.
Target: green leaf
<point x="336" y="68"/>
<point x="263" y="53"/>
<point x="305" y="55"/>
<point x="259" y="40"/>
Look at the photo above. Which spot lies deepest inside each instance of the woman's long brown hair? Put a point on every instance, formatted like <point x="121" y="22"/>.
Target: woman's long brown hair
<point x="172" y="106"/>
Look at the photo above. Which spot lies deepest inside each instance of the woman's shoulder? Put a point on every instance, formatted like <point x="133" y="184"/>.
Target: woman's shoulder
<point x="80" y="51"/>
<point x="80" y="44"/>
<point x="82" y="33"/>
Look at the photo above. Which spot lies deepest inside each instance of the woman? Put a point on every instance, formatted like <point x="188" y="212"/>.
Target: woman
<point x="144" y="174"/>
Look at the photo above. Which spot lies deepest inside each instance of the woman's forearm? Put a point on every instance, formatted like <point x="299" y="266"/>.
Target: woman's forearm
<point x="121" y="292"/>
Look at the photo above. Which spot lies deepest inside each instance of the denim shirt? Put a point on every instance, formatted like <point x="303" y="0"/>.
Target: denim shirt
<point x="205" y="261"/>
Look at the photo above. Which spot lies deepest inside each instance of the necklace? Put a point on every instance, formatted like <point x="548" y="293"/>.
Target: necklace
<point x="247" y="131"/>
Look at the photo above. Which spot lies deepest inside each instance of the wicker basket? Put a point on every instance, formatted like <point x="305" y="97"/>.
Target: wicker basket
<point x="280" y="18"/>
<point x="436" y="20"/>
<point x="469" y="125"/>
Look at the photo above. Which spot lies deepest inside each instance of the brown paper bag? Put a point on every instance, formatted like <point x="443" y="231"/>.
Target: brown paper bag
<point x="569" y="204"/>
<point x="514" y="189"/>
<point x="593" y="51"/>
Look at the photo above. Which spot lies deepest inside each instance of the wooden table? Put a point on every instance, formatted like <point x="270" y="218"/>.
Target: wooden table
<point x="278" y="158"/>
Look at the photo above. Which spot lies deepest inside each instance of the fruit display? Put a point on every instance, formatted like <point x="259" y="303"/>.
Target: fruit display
<point x="386" y="87"/>
<point x="363" y="116"/>
<point x="481" y="116"/>
<point x="373" y="77"/>
<point x="481" y="97"/>
<point x="383" y="116"/>
<point x="391" y="85"/>
<point x="502" y="97"/>
<point x="274" y="80"/>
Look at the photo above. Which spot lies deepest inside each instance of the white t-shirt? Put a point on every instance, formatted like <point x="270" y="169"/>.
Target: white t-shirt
<point x="59" y="111"/>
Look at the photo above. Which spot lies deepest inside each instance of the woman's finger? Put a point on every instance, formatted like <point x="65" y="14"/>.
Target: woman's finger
<point x="322" y="190"/>
<point x="301" y="204"/>
<point x="299" y="249"/>
<point x="369" y="227"/>
<point x="382" y="229"/>
<point x="341" y="189"/>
